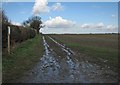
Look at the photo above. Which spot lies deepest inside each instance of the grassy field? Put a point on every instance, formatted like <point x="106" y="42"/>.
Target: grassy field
<point x="22" y="58"/>
<point x="98" y="46"/>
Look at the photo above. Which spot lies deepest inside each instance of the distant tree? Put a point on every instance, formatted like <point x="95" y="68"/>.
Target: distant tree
<point x="34" y="22"/>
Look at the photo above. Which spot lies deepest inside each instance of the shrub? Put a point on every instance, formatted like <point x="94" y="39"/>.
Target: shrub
<point x="18" y="34"/>
<point x="15" y="33"/>
<point x="4" y="35"/>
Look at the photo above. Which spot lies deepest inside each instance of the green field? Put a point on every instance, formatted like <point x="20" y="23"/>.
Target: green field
<point x="24" y="57"/>
<point x="103" y="48"/>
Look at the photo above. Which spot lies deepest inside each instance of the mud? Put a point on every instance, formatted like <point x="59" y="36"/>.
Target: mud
<point x="68" y="70"/>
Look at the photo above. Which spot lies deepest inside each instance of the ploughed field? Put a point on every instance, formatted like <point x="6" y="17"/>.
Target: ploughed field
<point x="75" y="59"/>
<point x="103" y="48"/>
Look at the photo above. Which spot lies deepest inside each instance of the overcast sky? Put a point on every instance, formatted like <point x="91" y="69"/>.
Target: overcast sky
<point x="67" y="17"/>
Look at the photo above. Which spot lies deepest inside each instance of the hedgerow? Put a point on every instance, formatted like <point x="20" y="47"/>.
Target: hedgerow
<point x="18" y="34"/>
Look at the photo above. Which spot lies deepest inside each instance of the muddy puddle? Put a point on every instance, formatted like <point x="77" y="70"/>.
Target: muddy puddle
<point x="69" y="70"/>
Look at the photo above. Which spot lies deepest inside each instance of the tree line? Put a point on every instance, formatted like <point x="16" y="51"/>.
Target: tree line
<point x="27" y="30"/>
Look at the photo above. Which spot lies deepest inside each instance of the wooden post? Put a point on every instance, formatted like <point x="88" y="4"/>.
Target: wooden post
<point x="8" y="39"/>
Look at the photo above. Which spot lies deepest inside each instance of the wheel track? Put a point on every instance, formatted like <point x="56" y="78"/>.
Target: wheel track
<point x="49" y="69"/>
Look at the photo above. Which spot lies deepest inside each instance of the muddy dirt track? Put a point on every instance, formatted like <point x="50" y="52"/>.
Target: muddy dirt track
<point x="53" y="68"/>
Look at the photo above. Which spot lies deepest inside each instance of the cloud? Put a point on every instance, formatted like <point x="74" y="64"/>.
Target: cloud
<point x="50" y="18"/>
<point x="113" y="15"/>
<point x="86" y="25"/>
<point x="99" y="25"/>
<point x="111" y="27"/>
<point x="57" y="7"/>
<point x="79" y="29"/>
<point x="16" y="23"/>
<point x="59" y="22"/>
<point x="40" y="6"/>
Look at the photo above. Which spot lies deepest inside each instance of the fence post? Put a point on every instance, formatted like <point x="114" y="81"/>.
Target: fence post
<point x="8" y="39"/>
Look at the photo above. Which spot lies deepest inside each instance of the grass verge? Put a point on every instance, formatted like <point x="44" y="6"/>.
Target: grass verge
<point x="22" y="59"/>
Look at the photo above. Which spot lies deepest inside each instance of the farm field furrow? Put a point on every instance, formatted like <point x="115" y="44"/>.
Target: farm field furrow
<point x="101" y="47"/>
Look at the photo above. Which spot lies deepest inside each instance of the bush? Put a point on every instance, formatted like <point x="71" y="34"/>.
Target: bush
<point x="32" y="33"/>
<point x="15" y="34"/>
<point x="4" y="35"/>
<point x="18" y="34"/>
<point x="24" y="34"/>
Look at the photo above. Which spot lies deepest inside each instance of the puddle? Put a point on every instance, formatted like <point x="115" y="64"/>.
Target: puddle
<point x="67" y="50"/>
<point x="74" y="70"/>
